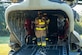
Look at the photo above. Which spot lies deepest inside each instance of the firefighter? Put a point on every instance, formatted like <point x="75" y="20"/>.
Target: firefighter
<point x="41" y="29"/>
<point x="28" y="30"/>
<point x="61" y="30"/>
<point x="27" y="25"/>
<point x="61" y="24"/>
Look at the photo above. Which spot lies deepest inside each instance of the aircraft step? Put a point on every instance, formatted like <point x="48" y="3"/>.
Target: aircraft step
<point x="35" y="50"/>
<point x="26" y="50"/>
<point x="64" y="50"/>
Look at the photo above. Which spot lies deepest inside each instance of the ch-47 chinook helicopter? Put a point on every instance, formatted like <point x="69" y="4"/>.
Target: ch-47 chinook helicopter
<point x="22" y="44"/>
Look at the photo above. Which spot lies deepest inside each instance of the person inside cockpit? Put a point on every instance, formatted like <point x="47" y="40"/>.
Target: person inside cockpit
<point x="61" y="30"/>
<point x="63" y="25"/>
<point x="28" y="30"/>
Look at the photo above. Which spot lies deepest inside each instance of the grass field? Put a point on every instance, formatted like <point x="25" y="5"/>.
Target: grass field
<point x="4" y="39"/>
<point x="4" y="48"/>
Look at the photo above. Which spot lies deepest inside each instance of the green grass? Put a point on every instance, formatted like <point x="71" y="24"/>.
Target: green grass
<point x="4" y="39"/>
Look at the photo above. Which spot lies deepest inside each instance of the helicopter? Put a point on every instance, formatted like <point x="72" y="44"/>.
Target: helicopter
<point x="60" y="40"/>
